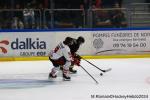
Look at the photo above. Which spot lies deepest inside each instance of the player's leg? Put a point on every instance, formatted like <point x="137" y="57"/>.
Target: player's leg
<point x="66" y="72"/>
<point x="55" y="69"/>
<point x="56" y="63"/>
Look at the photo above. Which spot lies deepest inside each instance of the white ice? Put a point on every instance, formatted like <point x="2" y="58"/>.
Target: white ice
<point x="28" y="80"/>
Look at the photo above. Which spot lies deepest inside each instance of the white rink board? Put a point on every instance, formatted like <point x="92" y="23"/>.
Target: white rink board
<point x="96" y="42"/>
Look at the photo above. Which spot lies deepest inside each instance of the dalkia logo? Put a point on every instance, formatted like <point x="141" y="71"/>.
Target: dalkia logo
<point x="28" y="43"/>
<point x="4" y="42"/>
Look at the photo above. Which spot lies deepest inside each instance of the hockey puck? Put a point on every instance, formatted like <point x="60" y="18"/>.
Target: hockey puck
<point x="101" y="74"/>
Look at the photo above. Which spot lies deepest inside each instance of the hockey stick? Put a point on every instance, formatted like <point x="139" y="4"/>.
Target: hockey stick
<point x="107" y="70"/>
<point x="89" y="74"/>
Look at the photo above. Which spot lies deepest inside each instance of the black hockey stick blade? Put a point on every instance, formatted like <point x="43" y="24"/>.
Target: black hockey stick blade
<point x="107" y="70"/>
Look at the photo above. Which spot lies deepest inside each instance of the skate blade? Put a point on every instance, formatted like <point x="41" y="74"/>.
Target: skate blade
<point x="66" y="79"/>
<point x="51" y="78"/>
<point x="73" y="73"/>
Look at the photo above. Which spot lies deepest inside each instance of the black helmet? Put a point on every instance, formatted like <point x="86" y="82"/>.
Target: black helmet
<point x="68" y="40"/>
<point x="80" y="39"/>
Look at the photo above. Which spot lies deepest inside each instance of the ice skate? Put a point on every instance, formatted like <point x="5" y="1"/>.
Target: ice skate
<point x="52" y="76"/>
<point x="53" y="73"/>
<point x="72" y="71"/>
<point x="66" y="78"/>
<point x="65" y="75"/>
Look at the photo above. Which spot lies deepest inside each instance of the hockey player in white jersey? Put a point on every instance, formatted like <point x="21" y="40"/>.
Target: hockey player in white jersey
<point x="61" y="56"/>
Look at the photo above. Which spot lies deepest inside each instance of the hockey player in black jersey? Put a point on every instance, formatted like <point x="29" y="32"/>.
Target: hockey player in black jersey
<point x="73" y="49"/>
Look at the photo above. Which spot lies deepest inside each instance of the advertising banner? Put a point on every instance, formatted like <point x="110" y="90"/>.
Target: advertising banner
<point x="96" y="42"/>
<point x="121" y="42"/>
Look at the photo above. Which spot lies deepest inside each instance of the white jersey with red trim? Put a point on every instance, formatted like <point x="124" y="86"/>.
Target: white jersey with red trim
<point x="61" y="50"/>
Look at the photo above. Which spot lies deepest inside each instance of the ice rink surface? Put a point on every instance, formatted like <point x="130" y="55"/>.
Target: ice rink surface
<point x="28" y="80"/>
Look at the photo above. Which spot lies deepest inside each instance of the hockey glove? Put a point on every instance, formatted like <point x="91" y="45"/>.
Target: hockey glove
<point x="76" y="62"/>
<point x="77" y="56"/>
